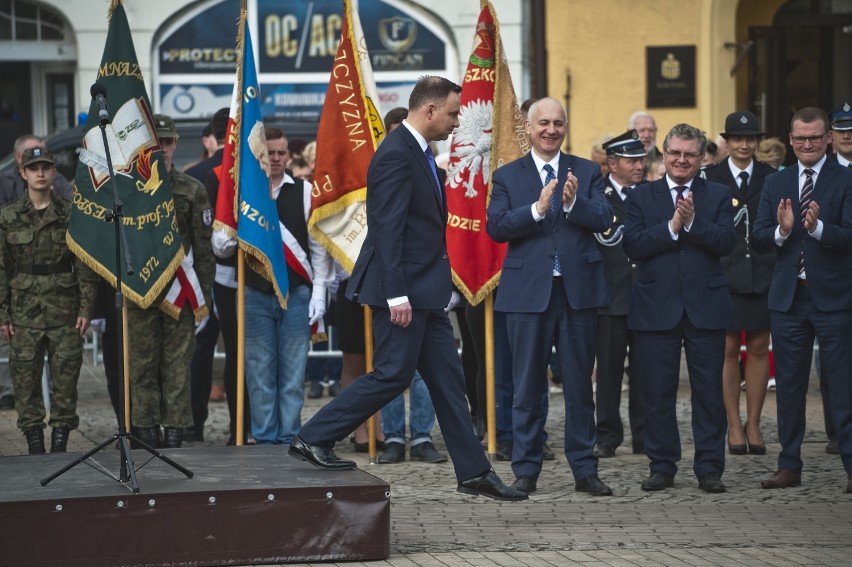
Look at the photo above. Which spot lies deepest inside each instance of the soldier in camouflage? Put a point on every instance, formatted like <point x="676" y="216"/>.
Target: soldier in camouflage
<point x="162" y="337"/>
<point x="46" y="299"/>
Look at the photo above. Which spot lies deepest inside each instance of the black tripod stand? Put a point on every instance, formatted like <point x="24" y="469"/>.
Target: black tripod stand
<point x="127" y="468"/>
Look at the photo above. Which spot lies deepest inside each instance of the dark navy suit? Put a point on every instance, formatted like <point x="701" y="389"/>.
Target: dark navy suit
<point x="405" y="254"/>
<point x="613" y="338"/>
<point x="822" y="309"/>
<point x="681" y="298"/>
<point x="541" y="309"/>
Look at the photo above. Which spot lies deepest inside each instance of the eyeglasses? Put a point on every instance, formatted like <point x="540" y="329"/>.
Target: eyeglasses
<point x="812" y="139"/>
<point x="685" y="155"/>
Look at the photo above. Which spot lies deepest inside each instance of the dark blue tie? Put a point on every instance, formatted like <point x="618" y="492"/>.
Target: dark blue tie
<point x="555" y="201"/>
<point x="430" y="157"/>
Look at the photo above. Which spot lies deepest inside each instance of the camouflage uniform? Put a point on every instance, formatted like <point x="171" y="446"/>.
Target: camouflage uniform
<point x="161" y="347"/>
<point x="43" y="290"/>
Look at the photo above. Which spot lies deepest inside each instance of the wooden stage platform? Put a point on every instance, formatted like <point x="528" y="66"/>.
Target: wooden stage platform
<point x="252" y="504"/>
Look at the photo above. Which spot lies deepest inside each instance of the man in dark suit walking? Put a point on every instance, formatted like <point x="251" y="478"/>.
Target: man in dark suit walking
<point x="805" y="213"/>
<point x="677" y="229"/>
<point x="547" y="205"/>
<point x="625" y="156"/>
<point x="403" y="274"/>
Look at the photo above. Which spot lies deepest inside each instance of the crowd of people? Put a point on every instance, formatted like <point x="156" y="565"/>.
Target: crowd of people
<point x="620" y="262"/>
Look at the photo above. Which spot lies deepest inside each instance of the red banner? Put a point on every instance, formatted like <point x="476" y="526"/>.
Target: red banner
<point x="349" y="131"/>
<point x="490" y="133"/>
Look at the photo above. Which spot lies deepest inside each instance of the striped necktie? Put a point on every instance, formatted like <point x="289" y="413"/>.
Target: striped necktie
<point x="805" y="200"/>
<point x="555" y="201"/>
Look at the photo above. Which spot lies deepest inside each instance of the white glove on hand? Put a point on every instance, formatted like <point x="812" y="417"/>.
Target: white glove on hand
<point x="316" y="309"/>
<point x="98" y="325"/>
<point x="454" y="300"/>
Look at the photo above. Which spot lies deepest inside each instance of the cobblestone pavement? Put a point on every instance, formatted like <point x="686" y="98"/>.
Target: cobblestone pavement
<point x="433" y="525"/>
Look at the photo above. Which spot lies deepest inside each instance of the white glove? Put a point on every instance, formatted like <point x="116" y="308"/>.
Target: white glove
<point x="98" y="325"/>
<point x="224" y="245"/>
<point x="316" y="309"/>
<point x="454" y="300"/>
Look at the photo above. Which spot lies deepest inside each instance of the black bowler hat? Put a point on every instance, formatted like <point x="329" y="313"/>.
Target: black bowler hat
<point x="741" y="124"/>
<point x="625" y="145"/>
<point x="841" y="117"/>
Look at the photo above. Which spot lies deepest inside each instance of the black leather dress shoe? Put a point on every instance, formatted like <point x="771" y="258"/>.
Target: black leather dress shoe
<point x="711" y="482"/>
<point x="318" y="456"/>
<point x="593" y="485"/>
<point x="547" y="453"/>
<point x="604" y="451"/>
<point x="525" y="484"/>
<point x="504" y="450"/>
<point x="833" y="447"/>
<point x="489" y="484"/>
<point x="657" y="481"/>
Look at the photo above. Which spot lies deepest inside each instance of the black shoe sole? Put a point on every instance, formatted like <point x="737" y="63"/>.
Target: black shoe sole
<point x="474" y="492"/>
<point x="296" y="455"/>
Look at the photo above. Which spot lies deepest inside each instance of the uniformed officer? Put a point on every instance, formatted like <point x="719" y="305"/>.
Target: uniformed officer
<point x="162" y="337"/>
<point x="841" y="124"/>
<point x="625" y="156"/>
<point x="841" y="141"/>
<point x="749" y="274"/>
<point x="46" y="299"/>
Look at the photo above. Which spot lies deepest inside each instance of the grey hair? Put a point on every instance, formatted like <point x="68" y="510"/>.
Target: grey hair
<point x="686" y="132"/>
<point x="631" y="122"/>
<point x="19" y="143"/>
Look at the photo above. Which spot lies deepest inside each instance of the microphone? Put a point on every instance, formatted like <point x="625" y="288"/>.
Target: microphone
<point x="98" y="92"/>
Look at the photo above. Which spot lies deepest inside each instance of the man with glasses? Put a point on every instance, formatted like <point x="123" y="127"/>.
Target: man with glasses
<point x="805" y="214"/>
<point x="677" y="230"/>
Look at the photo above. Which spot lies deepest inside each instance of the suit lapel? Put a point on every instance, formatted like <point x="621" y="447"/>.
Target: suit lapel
<point x="663" y="196"/>
<point x="531" y="176"/>
<point x="420" y="157"/>
<point x="825" y="177"/>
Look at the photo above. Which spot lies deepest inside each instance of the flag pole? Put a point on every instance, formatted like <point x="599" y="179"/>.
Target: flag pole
<point x="372" y="422"/>
<point x="241" y="345"/>
<point x="490" y="405"/>
<point x="125" y="329"/>
<point x="241" y="265"/>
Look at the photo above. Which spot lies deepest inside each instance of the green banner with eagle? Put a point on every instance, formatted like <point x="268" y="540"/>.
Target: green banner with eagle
<point x="142" y="181"/>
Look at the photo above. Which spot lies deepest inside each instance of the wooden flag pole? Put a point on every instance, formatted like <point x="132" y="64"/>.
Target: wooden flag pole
<point x="241" y="345"/>
<point x="490" y="405"/>
<point x="372" y="423"/>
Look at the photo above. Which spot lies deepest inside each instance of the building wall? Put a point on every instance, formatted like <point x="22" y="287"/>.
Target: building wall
<point x="601" y="45"/>
<point x="146" y="17"/>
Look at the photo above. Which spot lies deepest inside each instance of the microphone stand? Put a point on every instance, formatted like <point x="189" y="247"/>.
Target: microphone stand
<point x="127" y="469"/>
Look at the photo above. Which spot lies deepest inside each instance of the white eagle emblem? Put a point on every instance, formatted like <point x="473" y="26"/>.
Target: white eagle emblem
<point x="471" y="147"/>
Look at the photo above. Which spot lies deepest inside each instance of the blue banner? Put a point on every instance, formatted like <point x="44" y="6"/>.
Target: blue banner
<point x="257" y="225"/>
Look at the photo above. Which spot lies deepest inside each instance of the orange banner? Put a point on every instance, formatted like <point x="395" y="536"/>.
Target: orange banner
<point x="349" y="131"/>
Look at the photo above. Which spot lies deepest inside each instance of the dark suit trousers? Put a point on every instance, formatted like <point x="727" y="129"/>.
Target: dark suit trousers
<point x="612" y="341"/>
<point x="793" y="335"/>
<point x="531" y="336"/>
<point x="658" y="353"/>
<point x="428" y="346"/>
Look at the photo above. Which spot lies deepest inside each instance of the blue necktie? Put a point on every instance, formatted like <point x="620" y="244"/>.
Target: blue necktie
<point x="430" y="157"/>
<point x="555" y="202"/>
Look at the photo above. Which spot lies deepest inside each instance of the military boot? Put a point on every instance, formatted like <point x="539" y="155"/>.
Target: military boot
<point x="149" y="435"/>
<point x="35" y="440"/>
<point x="59" y="439"/>
<point x="174" y="437"/>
